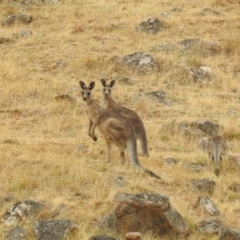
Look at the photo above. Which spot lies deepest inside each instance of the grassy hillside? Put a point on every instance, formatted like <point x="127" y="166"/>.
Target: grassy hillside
<point x="45" y="152"/>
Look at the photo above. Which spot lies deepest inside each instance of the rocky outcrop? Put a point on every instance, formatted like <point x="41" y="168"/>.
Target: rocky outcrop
<point x="147" y="212"/>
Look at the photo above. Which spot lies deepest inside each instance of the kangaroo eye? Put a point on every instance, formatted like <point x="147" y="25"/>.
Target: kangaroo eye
<point x="88" y="93"/>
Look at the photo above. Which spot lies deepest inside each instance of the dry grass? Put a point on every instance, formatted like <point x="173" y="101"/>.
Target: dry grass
<point x="45" y="152"/>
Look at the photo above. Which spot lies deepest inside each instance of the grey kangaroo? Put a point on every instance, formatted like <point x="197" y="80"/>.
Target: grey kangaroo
<point x="216" y="148"/>
<point x="136" y="121"/>
<point x="115" y="129"/>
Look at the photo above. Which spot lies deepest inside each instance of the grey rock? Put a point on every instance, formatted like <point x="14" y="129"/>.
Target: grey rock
<point x="195" y="167"/>
<point x="207" y="204"/>
<point x="17" y="233"/>
<point x="209" y="226"/>
<point x="150" y="25"/>
<point x="23" y="34"/>
<point x="170" y="161"/>
<point x="119" y="181"/>
<point x="209" y="11"/>
<point x="19" y="18"/>
<point x="22" y="211"/>
<point x="196" y="45"/>
<point x="188" y="43"/>
<point x="198" y="128"/>
<point x="203" y="186"/>
<point x="140" y="61"/>
<point x="206" y="126"/>
<point x="199" y="75"/>
<point x="230" y="234"/>
<point x="54" y="229"/>
<point x="158" y="95"/>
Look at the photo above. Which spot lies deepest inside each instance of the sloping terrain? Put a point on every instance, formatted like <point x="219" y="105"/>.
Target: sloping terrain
<point x="45" y="152"/>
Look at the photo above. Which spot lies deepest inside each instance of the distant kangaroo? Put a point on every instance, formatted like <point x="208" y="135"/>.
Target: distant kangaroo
<point x="114" y="127"/>
<point x="136" y="121"/>
<point x="216" y="147"/>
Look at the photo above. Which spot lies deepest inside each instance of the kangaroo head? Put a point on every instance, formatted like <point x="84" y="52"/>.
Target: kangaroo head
<point x="107" y="87"/>
<point x="86" y="91"/>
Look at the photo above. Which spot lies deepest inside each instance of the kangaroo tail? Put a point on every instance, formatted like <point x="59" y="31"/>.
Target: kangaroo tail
<point x="151" y="174"/>
<point x="132" y="148"/>
<point x="144" y="144"/>
<point x="216" y="156"/>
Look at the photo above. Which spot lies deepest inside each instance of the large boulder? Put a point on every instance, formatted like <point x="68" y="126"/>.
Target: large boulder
<point x="148" y="212"/>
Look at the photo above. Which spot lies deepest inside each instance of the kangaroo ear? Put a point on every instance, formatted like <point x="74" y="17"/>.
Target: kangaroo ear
<point x="103" y="81"/>
<point x="91" y="85"/>
<point x="82" y="84"/>
<point x="112" y="83"/>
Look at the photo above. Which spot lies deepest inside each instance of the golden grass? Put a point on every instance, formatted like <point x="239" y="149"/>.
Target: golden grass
<point x="45" y="152"/>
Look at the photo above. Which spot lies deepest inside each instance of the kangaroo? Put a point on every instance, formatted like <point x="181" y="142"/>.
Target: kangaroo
<point x="216" y="147"/>
<point x="115" y="129"/>
<point x="136" y="121"/>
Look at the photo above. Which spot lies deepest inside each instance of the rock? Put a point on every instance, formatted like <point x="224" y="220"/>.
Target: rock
<point x="22" y="211"/>
<point x="207" y="11"/>
<point x="209" y="226"/>
<point x="195" y="167"/>
<point x="169" y="160"/>
<point x="206" y="126"/>
<point x="230" y="234"/>
<point x="198" y="128"/>
<point x="207" y="205"/>
<point x="119" y="181"/>
<point x="53" y="229"/>
<point x="140" y="61"/>
<point x="17" y="233"/>
<point x="150" y="25"/>
<point x="19" y="18"/>
<point x="196" y="45"/>
<point x="133" y="236"/>
<point x="203" y="186"/>
<point x="148" y="212"/>
<point x="158" y="95"/>
<point x="199" y="75"/>
<point x="23" y="34"/>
